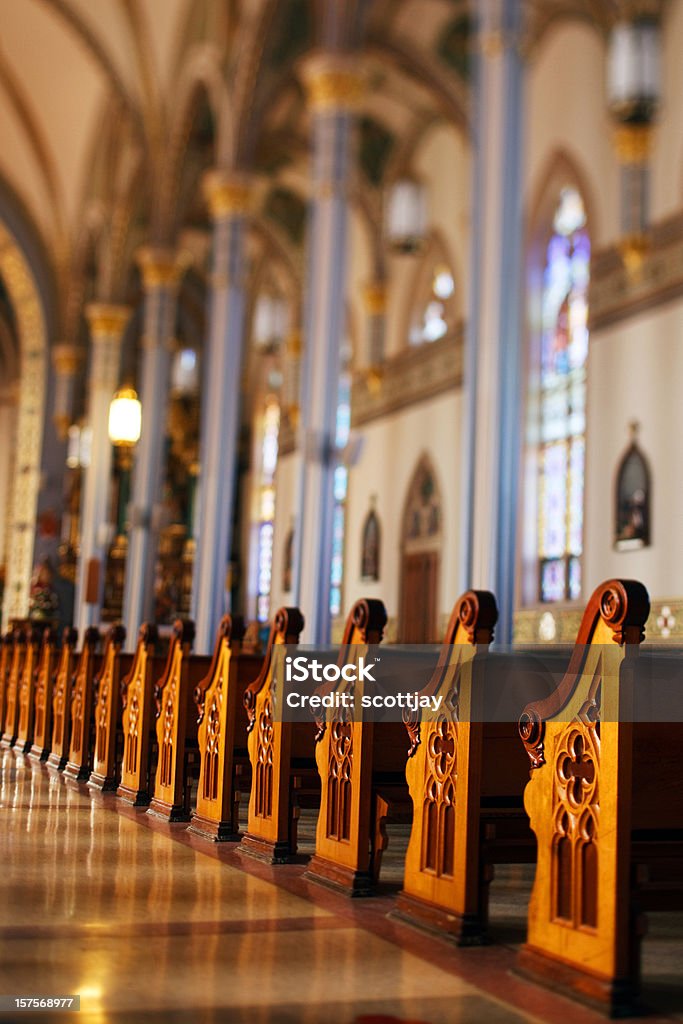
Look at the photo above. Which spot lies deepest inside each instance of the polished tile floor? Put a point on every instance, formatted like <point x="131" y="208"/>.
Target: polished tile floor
<point x="148" y="924"/>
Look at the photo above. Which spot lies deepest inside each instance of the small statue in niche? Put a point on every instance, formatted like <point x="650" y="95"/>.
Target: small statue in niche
<point x="371" y="541"/>
<point x="632" y="527"/>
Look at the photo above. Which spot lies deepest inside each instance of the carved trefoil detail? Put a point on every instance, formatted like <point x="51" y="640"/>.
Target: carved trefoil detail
<point x="576" y="813"/>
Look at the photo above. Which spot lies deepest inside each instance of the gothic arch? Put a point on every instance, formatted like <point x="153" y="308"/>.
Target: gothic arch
<point x="31" y="320"/>
<point x="421" y="541"/>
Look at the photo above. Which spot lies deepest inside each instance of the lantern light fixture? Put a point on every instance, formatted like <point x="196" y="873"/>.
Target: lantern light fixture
<point x="634" y="71"/>
<point x="406" y="215"/>
<point x="125" y="418"/>
<point x="185" y="372"/>
<point x="270" y="321"/>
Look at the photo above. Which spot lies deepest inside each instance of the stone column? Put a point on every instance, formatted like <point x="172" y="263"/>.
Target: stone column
<point x="161" y="274"/>
<point x="492" y="427"/>
<point x="66" y="360"/>
<point x="633" y="148"/>
<point x="334" y="92"/>
<point x="8" y="424"/>
<point x="375" y="297"/>
<point x="228" y="197"/>
<point x="107" y="324"/>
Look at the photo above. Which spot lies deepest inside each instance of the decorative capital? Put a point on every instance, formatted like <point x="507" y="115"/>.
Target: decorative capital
<point x="293" y="344"/>
<point x="633" y="143"/>
<point x="375" y="298"/>
<point x="162" y="267"/>
<point x="226" y="194"/>
<point x="66" y="359"/>
<point x="107" y="320"/>
<point x="333" y="83"/>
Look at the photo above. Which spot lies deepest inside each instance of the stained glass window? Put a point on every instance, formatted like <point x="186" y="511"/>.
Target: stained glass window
<point x="341" y="481"/>
<point x="434" y="318"/>
<point x="266" y="509"/>
<point x="564" y="350"/>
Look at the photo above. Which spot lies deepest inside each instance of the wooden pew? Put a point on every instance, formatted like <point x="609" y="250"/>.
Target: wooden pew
<point x="221" y="735"/>
<point x="24" y="737"/>
<point x="444" y="884"/>
<point x="16" y="667"/>
<point x="277" y="750"/>
<point x="80" y="741"/>
<point x="137" y="718"/>
<point x="361" y="766"/>
<point x="176" y="725"/>
<point x="62" y="692"/>
<point x="605" y="802"/>
<point x="42" y="714"/>
<point x="108" y="741"/>
<point x="6" y="650"/>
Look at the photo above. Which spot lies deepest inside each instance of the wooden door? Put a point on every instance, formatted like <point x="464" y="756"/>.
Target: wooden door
<point x="418" y="598"/>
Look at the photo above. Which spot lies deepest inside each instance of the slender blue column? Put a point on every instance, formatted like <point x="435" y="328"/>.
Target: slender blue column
<point x="334" y="90"/>
<point x="228" y="198"/>
<point x="492" y="417"/>
<point x="161" y="271"/>
<point x="107" y="324"/>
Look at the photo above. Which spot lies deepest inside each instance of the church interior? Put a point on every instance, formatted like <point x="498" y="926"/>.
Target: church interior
<point x="340" y="322"/>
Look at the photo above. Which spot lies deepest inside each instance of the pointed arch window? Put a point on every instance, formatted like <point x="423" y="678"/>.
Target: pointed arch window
<point x="562" y="402"/>
<point x="341" y="484"/>
<point x="433" y="313"/>
<point x="266" y="507"/>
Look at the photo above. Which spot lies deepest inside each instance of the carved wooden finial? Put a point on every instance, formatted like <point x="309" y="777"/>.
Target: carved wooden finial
<point x="624" y="606"/>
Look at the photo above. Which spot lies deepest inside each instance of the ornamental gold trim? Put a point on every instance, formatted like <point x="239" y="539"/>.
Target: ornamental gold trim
<point x="633" y="143"/>
<point x="66" y="359"/>
<point x="294" y="344"/>
<point x="375" y="298"/>
<point x="333" y="84"/>
<point x="226" y="195"/>
<point x="107" y="320"/>
<point x="162" y="267"/>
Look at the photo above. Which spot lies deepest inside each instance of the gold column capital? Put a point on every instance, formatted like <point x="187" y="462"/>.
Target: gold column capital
<point x="107" y="319"/>
<point x="162" y="267"/>
<point x="294" y="343"/>
<point x="227" y="193"/>
<point x="375" y="298"/>
<point x="333" y="82"/>
<point x="66" y="359"/>
<point x="633" y="143"/>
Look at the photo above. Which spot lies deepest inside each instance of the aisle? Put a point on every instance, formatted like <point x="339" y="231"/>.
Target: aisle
<point x="146" y="927"/>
